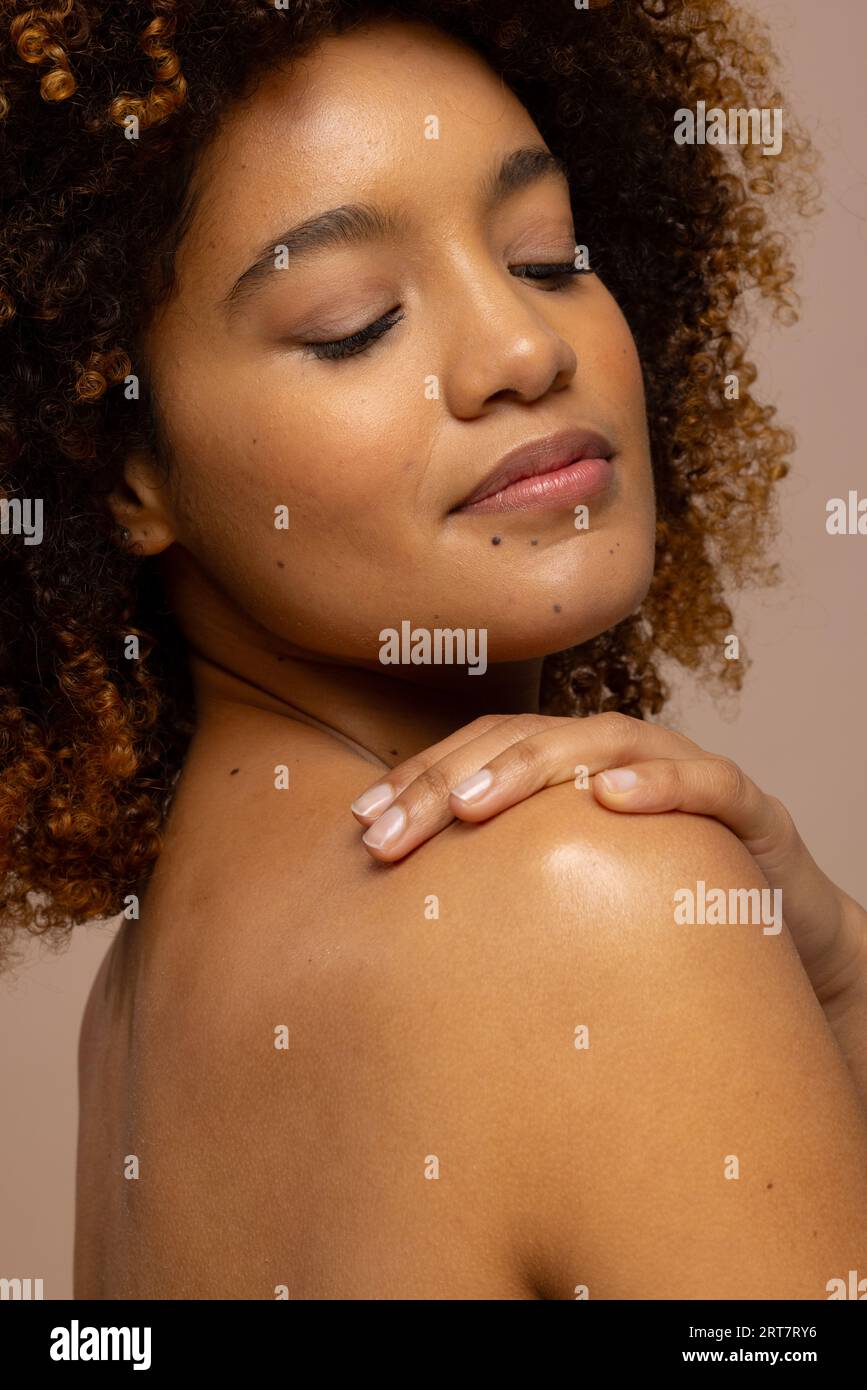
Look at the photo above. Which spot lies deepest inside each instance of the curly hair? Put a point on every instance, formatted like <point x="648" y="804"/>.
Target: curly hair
<point x="91" y="743"/>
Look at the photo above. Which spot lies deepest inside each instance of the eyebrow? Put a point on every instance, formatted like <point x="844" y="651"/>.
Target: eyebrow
<point x="355" y="223"/>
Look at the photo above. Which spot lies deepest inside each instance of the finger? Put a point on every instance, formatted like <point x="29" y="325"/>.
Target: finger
<point x="552" y="756"/>
<point x="375" y="798"/>
<point x="482" y="778"/>
<point x="422" y="808"/>
<point x="709" y="786"/>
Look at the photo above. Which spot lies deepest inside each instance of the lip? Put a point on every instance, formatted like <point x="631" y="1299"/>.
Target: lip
<point x="545" y="473"/>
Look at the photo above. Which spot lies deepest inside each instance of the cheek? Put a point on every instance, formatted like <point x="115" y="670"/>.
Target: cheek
<point x="326" y="441"/>
<point x="260" y="458"/>
<point x="619" y="367"/>
<point x="303" y="523"/>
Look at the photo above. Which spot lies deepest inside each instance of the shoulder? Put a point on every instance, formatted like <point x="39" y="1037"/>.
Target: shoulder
<point x="618" y="1100"/>
<point x="555" y="893"/>
<point x="654" y="1094"/>
<point x="675" y="1098"/>
<point x="561" y="855"/>
<point x="559" y="904"/>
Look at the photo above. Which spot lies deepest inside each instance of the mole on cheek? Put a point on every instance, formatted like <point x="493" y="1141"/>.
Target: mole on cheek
<point x="534" y="542"/>
<point x="557" y="608"/>
<point x="280" y="565"/>
<point x="495" y="540"/>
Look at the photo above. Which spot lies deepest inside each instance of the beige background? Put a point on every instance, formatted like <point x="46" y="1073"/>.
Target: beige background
<point x="799" y="729"/>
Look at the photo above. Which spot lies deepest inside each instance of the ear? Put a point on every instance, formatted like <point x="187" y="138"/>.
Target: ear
<point x="139" y="502"/>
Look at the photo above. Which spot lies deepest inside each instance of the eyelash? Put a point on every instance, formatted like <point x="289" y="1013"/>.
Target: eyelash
<point x="558" y="275"/>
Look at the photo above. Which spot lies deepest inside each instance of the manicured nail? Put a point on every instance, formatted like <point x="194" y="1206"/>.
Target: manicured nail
<point x="388" y="828"/>
<point x="375" y="800"/>
<point x="619" y="779"/>
<point x="473" y="787"/>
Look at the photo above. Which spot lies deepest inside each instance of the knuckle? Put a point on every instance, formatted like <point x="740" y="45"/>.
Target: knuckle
<point x="525" y="725"/>
<point x="486" y="722"/>
<point x="524" y="760"/>
<point x="411" y="769"/>
<point x="620" y="728"/>
<point x="670" y="776"/>
<point x="663" y="780"/>
<point x="434" y="784"/>
<point x="731" y="781"/>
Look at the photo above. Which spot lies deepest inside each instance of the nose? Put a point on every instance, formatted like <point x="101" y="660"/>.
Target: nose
<point x="502" y="343"/>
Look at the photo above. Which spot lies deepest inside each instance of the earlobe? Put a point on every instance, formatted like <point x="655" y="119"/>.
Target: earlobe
<point x="139" y="503"/>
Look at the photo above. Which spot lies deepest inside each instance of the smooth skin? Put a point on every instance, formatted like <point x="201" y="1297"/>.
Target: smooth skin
<point x="638" y="767"/>
<point x="414" y="1038"/>
<point x="429" y="1129"/>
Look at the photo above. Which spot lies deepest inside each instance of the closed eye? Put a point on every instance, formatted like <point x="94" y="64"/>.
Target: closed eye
<point x="560" y="274"/>
<point x="356" y="342"/>
<point x="557" y="276"/>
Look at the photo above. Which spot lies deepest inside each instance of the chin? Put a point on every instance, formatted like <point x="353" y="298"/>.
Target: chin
<point x="567" y="616"/>
<point x="540" y="639"/>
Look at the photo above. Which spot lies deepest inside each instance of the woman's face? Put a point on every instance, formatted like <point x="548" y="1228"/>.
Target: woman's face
<point x="363" y="461"/>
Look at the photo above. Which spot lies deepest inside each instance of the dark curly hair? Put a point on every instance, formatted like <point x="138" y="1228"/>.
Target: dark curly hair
<point x="91" y="744"/>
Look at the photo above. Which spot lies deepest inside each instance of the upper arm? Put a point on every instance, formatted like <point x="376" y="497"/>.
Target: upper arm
<point x="703" y="1139"/>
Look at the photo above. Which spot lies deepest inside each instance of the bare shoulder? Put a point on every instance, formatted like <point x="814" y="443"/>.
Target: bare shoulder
<point x="676" y="1101"/>
<point x="510" y="1047"/>
<point x="607" y="1028"/>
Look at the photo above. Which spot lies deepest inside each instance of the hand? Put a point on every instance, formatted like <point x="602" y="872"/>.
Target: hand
<point x="631" y="766"/>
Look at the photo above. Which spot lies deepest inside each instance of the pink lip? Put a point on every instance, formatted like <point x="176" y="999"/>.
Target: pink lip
<point x="550" y="491"/>
<point x="545" y="474"/>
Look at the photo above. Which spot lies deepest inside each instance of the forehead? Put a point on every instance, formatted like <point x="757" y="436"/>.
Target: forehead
<point x="357" y="113"/>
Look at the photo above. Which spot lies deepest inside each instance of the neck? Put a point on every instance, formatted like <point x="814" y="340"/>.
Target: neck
<point x="385" y="713"/>
<point x="384" y="718"/>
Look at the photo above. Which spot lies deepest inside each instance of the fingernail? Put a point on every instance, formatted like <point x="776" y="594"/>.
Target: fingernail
<point x="386" y="829"/>
<point x="473" y="787"/>
<point x="619" y="779"/>
<point x="374" y="800"/>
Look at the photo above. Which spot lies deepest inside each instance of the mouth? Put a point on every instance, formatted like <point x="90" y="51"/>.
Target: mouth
<point x="551" y="473"/>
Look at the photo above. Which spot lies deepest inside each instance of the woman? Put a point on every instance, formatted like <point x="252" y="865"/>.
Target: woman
<point x="377" y="370"/>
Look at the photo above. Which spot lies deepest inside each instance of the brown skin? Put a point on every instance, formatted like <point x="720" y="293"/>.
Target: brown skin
<point x="634" y="766"/>
<point x="410" y="1036"/>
